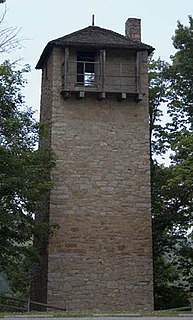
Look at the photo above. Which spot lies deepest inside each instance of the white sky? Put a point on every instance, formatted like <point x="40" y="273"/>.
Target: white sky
<point x="45" y="20"/>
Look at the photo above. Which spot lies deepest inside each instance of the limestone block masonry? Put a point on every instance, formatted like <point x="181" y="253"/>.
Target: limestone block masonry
<point x="100" y="258"/>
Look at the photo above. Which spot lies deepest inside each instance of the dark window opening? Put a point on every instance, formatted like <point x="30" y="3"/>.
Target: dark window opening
<point x="86" y="68"/>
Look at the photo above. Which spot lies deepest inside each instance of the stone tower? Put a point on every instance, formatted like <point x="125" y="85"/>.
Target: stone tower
<point x="95" y="94"/>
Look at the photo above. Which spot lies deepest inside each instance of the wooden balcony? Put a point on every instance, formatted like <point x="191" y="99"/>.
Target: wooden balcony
<point x="82" y="77"/>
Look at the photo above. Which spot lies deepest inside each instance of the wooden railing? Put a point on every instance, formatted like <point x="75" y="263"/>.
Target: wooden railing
<point x="23" y="305"/>
<point x="116" y="77"/>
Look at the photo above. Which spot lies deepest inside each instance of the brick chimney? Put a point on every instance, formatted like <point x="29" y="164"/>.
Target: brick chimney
<point x="133" y="29"/>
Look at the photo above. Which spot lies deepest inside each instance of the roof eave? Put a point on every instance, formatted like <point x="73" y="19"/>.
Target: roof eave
<point x="44" y="55"/>
<point x="51" y="44"/>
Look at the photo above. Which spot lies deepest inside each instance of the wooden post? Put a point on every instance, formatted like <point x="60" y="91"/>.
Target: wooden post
<point x="65" y="69"/>
<point x="102" y="63"/>
<point x="138" y="72"/>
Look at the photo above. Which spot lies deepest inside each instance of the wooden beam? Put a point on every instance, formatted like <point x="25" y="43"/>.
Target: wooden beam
<point x="102" y="68"/>
<point x="122" y="96"/>
<point x="81" y="94"/>
<point x="66" y="94"/>
<point x="139" y="97"/>
<point x="138" y="72"/>
<point x="101" y="96"/>
<point x="65" y="69"/>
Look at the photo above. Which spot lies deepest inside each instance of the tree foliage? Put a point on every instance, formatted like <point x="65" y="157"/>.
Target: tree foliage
<point x="172" y="185"/>
<point x="24" y="179"/>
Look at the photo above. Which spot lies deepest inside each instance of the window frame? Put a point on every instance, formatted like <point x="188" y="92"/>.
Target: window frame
<point x="86" y="73"/>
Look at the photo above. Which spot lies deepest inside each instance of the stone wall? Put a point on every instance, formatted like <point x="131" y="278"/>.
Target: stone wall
<point x="39" y="274"/>
<point x="101" y="256"/>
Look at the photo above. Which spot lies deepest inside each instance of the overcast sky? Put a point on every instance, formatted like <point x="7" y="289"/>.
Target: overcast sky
<point x="45" y="20"/>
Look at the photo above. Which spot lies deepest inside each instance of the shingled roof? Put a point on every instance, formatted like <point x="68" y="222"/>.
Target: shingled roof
<point x="95" y="37"/>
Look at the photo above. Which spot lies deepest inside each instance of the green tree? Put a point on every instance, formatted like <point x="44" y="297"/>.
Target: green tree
<point x="158" y="84"/>
<point x="172" y="186"/>
<point x="24" y="175"/>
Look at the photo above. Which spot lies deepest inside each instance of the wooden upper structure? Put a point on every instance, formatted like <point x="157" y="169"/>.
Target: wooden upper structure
<point x="100" y="61"/>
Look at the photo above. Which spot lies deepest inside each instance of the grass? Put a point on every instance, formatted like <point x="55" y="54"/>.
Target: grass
<point x="61" y="314"/>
